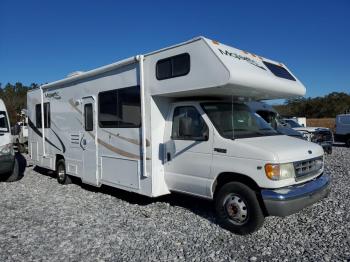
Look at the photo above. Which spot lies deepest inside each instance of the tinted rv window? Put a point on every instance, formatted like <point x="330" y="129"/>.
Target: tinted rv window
<point x="279" y="71"/>
<point x="47" y="117"/>
<point x="174" y="66"/>
<point x="120" y="108"/>
<point x="89" y="117"/>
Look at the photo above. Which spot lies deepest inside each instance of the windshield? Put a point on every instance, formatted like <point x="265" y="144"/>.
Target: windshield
<point x="3" y="122"/>
<point x="236" y="120"/>
<point x="292" y="123"/>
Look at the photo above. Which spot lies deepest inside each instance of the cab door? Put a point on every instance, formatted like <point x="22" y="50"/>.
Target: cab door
<point x="188" y="151"/>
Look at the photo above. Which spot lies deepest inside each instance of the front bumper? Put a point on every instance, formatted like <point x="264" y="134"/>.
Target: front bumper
<point x="288" y="200"/>
<point x="6" y="163"/>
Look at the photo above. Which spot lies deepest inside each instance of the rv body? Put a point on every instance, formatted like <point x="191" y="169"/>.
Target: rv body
<point x="152" y="124"/>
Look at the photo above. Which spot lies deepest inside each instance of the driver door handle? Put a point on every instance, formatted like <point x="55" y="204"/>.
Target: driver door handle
<point x="168" y="157"/>
<point x="220" y="150"/>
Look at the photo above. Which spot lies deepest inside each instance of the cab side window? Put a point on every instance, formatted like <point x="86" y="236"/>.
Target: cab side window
<point x="188" y="124"/>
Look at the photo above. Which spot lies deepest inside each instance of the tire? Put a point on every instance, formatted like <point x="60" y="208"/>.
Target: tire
<point x="238" y="209"/>
<point x="14" y="175"/>
<point x="62" y="177"/>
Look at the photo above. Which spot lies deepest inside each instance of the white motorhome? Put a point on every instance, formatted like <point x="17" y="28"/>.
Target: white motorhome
<point x="171" y="121"/>
<point x="8" y="163"/>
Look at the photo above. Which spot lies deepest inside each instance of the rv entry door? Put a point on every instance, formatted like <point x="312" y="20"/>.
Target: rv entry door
<point x="88" y="141"/>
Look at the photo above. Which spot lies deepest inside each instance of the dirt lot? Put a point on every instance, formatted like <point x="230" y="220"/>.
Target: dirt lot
<point x="43" y="221"/>
<point x="321" y="122"/>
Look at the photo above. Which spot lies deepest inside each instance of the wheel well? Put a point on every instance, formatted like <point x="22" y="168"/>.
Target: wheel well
<point x="58" y="158"/>
<point x="227" y="177"/>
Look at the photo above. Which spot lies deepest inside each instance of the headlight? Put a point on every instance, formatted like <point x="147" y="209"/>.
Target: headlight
<point x="279" y="171"/>
<point x="6" y="149"/>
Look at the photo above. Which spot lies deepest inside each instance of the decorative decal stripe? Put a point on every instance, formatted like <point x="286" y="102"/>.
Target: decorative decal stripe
<point x="130" y="140"/>
<point x="117" y="150"/>
<point x="108" y="146"/>
<point x="59" y="139"/>
<point x="37" y="131"/>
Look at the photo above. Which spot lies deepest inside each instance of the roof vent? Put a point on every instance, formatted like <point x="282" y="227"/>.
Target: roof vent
<point x="75" y="73"/>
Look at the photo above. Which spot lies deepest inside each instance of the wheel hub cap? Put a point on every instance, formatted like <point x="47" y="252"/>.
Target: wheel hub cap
<point x="236" y="209"/>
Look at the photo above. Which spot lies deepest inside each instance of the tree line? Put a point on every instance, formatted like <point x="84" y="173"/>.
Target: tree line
<point x="328" y="106"/>
<point x="15" y="99"/>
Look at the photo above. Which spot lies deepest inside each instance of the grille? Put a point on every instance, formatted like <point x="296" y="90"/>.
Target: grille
<point x="308" y="167"/>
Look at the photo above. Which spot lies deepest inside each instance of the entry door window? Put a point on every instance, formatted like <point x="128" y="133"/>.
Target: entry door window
<point x="89" y="117"/>
<point x="188" y="124"/>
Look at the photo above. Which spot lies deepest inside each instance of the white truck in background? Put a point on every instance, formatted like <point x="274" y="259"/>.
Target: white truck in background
<point x="320" y="135"/>
<point x="342" y="128"/>
<point x="172" y="121"/>
<point x="9" y="170"/>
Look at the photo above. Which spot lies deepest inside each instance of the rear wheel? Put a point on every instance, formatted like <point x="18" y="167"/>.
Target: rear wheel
<point x="62" y="177"/>
<point x="238" y="208"/>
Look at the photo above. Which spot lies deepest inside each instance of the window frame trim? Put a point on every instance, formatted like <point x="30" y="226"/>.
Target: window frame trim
<point x="99" y="111"/>
<point x="47" y="124"/>
<point x="188" y="139"/>
<point x="85" y="118"/>
<point x="169" y="58"/>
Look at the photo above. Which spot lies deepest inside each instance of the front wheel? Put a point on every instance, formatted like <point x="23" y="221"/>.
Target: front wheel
<point x="62" y="177"/>
<point x="238" y="208"/>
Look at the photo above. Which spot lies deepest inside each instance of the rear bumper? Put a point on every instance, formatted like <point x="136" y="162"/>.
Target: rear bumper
<point x="286" y="201"/>
<point x="6" y="164"/>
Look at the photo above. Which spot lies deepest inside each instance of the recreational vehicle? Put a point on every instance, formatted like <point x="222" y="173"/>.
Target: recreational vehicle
<point x="8" y="163"/>
<point x="173" y="120"/>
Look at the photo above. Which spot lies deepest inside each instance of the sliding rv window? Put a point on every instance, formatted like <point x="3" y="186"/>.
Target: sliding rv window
<point x="279" y="71"/>
<point x="47" y="117"/>
<point x="174" y="66"/>
<point x="120" y="108"/>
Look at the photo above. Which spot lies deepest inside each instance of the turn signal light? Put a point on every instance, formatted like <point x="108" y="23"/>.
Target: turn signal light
<point x="272" y="171"/>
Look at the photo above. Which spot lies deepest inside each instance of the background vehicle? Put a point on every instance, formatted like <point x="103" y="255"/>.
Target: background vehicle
<point x="271" y="116"/>
<point x="320" y="135"/>
<point x="145" y="125"/>
<point x="342" y="128"/>
<point x="8" y="163"/>
<point x="20" y="133"/>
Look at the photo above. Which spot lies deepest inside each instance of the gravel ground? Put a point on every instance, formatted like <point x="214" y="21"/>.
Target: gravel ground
<point x="42" y="220"/>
